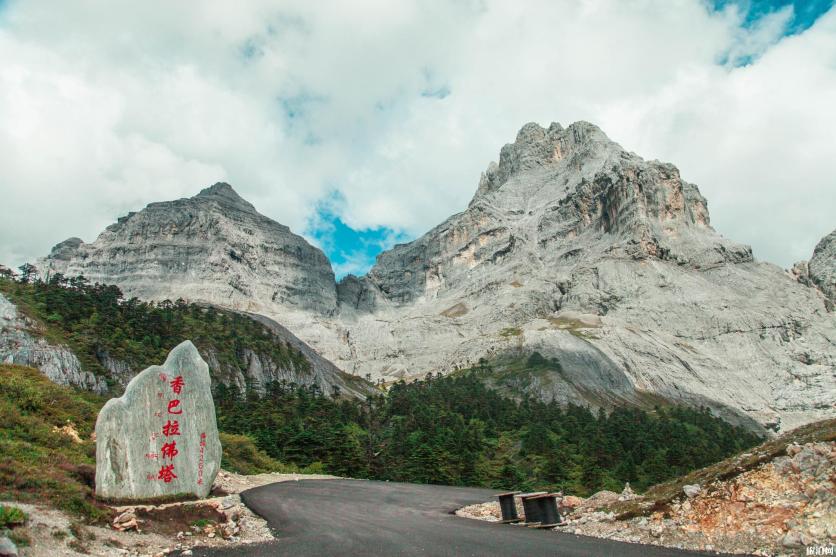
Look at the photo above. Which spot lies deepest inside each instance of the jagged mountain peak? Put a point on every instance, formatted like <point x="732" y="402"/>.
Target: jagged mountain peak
<point x="213" y="247"/>
<point x="575" y="147"/>
<point x="225" y="194"/>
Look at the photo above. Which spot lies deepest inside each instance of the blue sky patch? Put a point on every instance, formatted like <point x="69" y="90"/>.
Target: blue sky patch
<point x="805" y="12"/>
<point x="350" y="250"/>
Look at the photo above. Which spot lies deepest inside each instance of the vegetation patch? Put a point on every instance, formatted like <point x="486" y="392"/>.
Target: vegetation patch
<point x="576" y="326"/>
<point x="241" y="455"/>
<point x="456" y="430"/>
<point x="510" y="332"/>
<point x="96" y="319"/>
<point x="11" y="517"/>
<point x="38" y="462"/>
<point x="456" y="311"/>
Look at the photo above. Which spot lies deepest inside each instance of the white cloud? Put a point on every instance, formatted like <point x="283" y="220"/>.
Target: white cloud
<point x="105" y="109"/>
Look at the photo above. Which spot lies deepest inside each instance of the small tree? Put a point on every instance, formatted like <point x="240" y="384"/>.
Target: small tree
<point x="27" y="272"/>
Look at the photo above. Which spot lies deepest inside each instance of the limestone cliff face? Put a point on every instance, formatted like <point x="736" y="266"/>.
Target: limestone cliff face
<point x="558" y="188"/>
<point x="214" y="247"/>
<point x="601" y="261"/>
<point x="21" y="343"/>
<point x="584" y="252"/>
<point x="822" y="267"/>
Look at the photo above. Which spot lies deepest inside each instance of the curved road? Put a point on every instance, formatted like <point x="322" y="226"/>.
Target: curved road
<point x="366" y="518"/>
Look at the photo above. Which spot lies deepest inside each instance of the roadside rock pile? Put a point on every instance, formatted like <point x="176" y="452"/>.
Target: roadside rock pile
<point x="781" y="507"/>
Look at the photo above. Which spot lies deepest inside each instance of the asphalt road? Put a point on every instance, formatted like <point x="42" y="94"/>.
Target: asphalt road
<point x="367" y="518"/>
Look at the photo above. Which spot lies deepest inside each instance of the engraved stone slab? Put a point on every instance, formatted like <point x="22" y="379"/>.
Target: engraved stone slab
<point x="160" y="438"/>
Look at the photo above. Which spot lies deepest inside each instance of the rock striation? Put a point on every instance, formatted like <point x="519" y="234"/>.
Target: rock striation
<point x="213" y="247"/>
<point x="160" y="438"/>
<point x="602" y="262"/>
<point x="606" y="262"/>
<point x="22" y="343"/>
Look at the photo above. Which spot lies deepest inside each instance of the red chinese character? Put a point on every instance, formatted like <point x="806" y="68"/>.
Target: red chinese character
<point x="167" y="473"/>
<point x="169" y="450"/>
<point x="172" y="404"/>
<point x="171" y="428"/>
<point x="163" y="377"/>
<point x="177" y="384"/>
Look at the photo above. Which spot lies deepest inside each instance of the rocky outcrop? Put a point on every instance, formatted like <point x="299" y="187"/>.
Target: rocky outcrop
<point x="160" y="438"/>
<point x="22" y="343"/>
<point x="602" y="262"/>
<point x="214" y="247"/>
<point x="822" y="268"/>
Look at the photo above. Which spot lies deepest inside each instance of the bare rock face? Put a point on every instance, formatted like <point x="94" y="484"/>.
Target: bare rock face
<point x="822" y="268"/>
<point x="160" y="438"/>
<point x="214" y="247"/>
<point x="606" y="263"/>
<point x="20" y="344"/>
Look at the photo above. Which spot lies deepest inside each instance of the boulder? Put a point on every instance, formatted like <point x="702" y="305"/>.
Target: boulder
<point x="160" y="438"/>
<point x="7" y="548"/>
<point x="691" y="490"/>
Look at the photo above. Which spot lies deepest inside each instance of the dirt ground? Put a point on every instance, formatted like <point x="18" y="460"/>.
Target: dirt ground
<point x="154" y="530"/>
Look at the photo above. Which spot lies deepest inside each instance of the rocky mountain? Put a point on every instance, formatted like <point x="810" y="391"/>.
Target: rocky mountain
<point x="823" y="267"/>
<point x="601" y="262"/>
<point x="214" y="247"/>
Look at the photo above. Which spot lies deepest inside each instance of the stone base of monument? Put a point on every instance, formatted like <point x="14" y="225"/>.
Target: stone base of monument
<point x="159" y="441"/>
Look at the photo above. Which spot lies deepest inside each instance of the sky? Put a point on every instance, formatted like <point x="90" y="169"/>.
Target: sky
<point x="365" y="123"/>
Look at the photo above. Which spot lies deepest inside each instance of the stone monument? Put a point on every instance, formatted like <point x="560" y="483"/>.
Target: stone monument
<point x="160" y="438"/>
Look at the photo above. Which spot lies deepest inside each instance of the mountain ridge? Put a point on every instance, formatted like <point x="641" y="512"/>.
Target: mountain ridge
<point x="572" y="248"/>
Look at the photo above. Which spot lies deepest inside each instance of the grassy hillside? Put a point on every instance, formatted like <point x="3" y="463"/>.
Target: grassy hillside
<point x="46" y="449"/>
<point x="96" y="319"/>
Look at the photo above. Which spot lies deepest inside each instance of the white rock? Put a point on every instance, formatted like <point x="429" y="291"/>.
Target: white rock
<point x="691" y="490"/>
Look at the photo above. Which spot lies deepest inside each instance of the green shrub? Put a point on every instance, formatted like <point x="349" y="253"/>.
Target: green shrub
<point x="242" y="456"/>
<point x="11" y="517"/>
